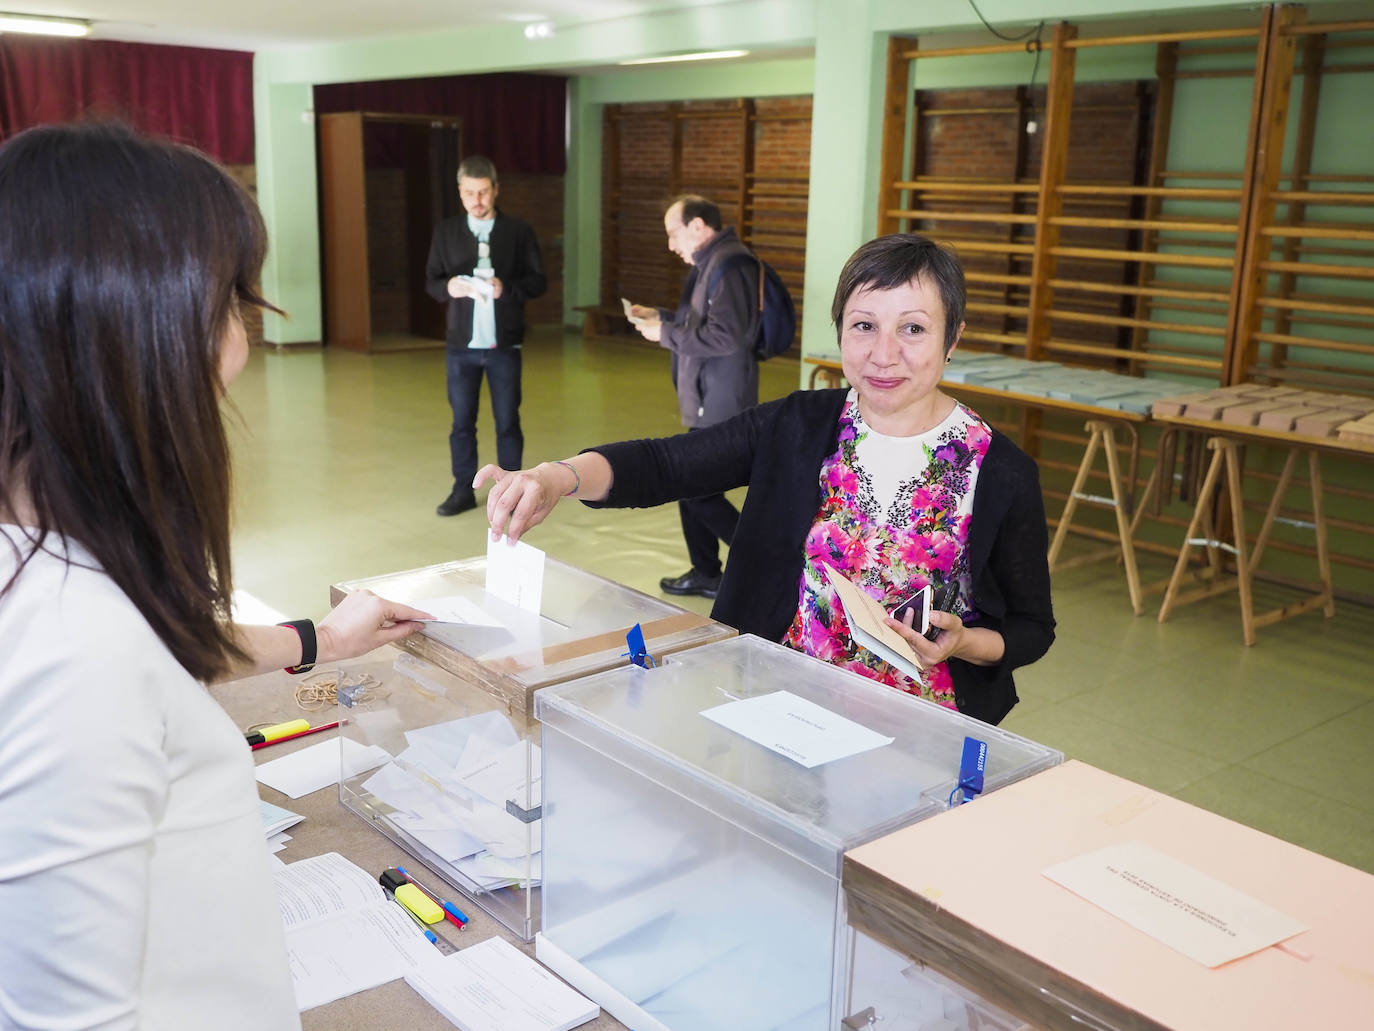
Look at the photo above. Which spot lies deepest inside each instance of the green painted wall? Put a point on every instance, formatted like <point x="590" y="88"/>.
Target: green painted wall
<point x="286" y="134"/>
<point x="845" y="76"/>
<point x="287" y="196"/>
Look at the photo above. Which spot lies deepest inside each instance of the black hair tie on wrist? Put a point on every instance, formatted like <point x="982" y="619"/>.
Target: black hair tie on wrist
<point x="305" y="630"/>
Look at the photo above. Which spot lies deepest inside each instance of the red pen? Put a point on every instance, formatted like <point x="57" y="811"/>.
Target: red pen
<point x="452" y="913"/>
<point x="299" y="733"/>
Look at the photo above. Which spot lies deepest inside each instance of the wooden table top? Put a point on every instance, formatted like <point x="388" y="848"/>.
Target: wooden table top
<point x="329" y="827"/>
<point x="1258" y="434"/>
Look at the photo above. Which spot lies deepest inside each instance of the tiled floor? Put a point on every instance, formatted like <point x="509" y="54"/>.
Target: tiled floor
<point x="341" y="459"/>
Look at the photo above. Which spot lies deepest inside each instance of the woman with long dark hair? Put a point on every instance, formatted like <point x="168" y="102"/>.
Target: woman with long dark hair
<point x="134" y="886"/>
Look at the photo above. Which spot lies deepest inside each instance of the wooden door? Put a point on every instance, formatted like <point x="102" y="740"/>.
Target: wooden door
<point x="343" y="230"/>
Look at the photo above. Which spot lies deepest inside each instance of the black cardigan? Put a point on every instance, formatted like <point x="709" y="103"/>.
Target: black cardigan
<point x="515" y="260"/>
<point x="777" y="450"/>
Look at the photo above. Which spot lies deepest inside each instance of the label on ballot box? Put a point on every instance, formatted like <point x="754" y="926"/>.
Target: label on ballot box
<point x="1185" y="909"/>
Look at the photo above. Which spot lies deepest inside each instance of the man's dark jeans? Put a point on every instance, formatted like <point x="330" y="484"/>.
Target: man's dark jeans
<point x="465" y="369"/>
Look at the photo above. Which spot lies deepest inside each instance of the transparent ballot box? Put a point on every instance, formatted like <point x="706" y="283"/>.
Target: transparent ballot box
<point x="696" y="816"/>
<point x="889" y="991"/>
<point x="450" y="746"/>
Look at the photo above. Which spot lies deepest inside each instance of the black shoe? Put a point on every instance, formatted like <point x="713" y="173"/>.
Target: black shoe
<point x="691" y="582"/>
<point x="457" y="502"/>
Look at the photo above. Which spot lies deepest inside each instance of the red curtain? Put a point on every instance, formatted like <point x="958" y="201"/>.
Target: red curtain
<point x="195" y="95"/>
<point x="518" y="120"/>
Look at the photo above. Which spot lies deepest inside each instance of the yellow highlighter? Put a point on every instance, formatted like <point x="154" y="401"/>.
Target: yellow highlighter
<point x="418" y="903"/>
<point x="281" y="730"/>
<point x="415" y="900"/>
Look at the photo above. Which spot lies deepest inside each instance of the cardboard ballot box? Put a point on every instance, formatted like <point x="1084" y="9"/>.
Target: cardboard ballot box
<point x="460" y="787"/>
<point x="1076" y="899"/>
<point x="695" y="818"/>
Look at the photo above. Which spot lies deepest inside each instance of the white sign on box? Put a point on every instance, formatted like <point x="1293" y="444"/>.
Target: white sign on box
<point x="796" y="727"/>
<point x="1187" y="910"/>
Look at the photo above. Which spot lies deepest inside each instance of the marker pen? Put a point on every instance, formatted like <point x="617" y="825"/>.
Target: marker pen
<point x="277" y="731"/>
<point x="452" y="912"/>
<point x="291" y="737"/>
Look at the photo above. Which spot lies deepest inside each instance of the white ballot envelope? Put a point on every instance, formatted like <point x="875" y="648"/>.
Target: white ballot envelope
<point x="868" y="627"/>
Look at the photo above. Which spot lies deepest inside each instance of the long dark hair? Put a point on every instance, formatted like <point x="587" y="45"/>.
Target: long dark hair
<point x="122" y="261"/>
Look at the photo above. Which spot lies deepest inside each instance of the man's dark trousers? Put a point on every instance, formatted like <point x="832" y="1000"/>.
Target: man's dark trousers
<point x="704" y="522"/>
<point x="465" y="368"/>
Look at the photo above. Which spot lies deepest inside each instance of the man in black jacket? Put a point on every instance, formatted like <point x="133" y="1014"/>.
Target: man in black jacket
<point x="711" y="337"/>
<point x="484" y="265"/>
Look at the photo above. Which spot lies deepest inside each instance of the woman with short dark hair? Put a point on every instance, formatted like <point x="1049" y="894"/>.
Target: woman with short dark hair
<point x="134" y="884"/>
<point x="891" y="482"/>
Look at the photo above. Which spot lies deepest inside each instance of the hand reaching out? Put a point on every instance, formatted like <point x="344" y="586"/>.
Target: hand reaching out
<point x="522" y="499"/>
<point x="361" y="622"/>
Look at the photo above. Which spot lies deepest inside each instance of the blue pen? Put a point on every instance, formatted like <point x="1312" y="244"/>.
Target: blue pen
<point x="454" y="914"/>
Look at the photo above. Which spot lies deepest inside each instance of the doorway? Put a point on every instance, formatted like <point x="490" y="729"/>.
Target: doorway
<point x="385" y="181"/>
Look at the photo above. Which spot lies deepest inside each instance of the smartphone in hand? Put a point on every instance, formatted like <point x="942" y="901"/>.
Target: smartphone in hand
<point x="919" y="604"/>
<point x="922" y="602"/>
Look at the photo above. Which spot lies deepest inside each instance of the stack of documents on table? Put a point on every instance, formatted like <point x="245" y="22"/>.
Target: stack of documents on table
<point x="343" y="934"/>
<point x="275" y="822"/>
<point x="493" y="986"/>
<point x="450" y="789"/>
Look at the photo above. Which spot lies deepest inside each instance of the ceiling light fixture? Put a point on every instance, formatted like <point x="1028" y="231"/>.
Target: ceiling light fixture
<point x="38" y="25"/>
<point x="539" y="30"/>
<point x="704" y="55"/>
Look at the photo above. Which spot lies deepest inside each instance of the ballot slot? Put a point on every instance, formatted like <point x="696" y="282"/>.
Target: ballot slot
<point x="461" y="786"/>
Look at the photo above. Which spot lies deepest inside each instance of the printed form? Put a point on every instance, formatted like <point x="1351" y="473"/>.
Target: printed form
<point x="1197" y="915"/>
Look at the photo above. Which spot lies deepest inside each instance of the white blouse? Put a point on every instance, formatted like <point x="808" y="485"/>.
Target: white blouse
<point x="135" y="890"/>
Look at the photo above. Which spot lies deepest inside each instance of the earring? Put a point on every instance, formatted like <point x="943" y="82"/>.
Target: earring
<point x="947" y="358"/>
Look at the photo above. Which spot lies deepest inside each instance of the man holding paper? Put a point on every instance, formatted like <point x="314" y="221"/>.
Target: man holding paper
<point x="484" y="265"/>
<point x="711" y="339"/>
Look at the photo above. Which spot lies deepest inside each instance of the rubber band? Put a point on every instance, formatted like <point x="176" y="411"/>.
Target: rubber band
<point x="322" y="690"/>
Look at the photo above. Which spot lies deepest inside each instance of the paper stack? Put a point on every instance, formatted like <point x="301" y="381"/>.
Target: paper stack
<point x="450" y="787"/>
<point x="275" y="822"/>
<point x="493" y="986"/>
<point x="343" y="934"/>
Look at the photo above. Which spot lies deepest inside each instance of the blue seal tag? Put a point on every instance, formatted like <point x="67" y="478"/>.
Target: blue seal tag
<point x="639" y="651"/>
<point x="971" y="766"/>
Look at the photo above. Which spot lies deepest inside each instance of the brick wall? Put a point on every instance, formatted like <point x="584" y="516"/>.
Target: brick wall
<point x="1108" y="134"/>
<point x="388" y="265"/>
<point x="535" y="198"/>
<point x="653" y="151"/>
<point x="538" y="199"/>
<point x="782" y="179"/>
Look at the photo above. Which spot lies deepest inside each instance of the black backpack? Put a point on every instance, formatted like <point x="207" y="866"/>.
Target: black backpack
<point x="778" y="326"/>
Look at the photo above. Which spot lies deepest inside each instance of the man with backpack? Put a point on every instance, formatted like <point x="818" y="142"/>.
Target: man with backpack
<point x="712" y="338"/>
